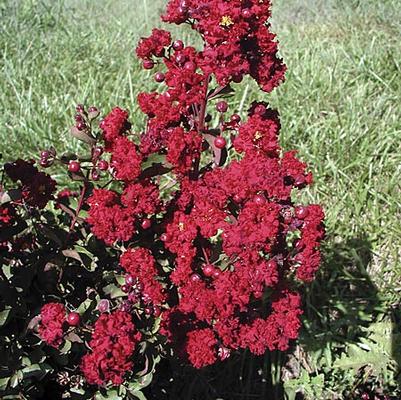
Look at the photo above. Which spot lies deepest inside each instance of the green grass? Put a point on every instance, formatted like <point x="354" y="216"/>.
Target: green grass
<point x="340" y="107"/>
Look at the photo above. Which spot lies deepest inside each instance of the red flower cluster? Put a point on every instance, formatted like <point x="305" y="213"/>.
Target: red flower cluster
<point x="259" y="135"/>
<point x="125" y="157"/>
<point x="37" y="187"/>
<point x="113" y="343"/>
<point x="52" y="320"/>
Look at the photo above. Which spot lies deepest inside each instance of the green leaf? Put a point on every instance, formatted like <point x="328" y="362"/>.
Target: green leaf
<point x="156" y="325"/>
<point x="154" y="170"/>
<point x="32" y="370"/>
<point x="83" y="307"/>
<point x="4" y="316"/>
<point x="16" y="379"/>
<point x="145" y="380"/>
<point x="26" y="361"/>
<point x="220" y="92"/>
<point x="66" y="347"/>
<point x="77" y="390"/>
<point x="83" y="256"/>
<point x="375" y="350"/>
<point x="4" y="382"/>
<point x="154" y="158"/>
<point x="113" y="291"/>
<point x="70" y="253"/>
<point x="11" y="195"/>
<point x="7" y="271"/>
<point x="120" y="279"/>
<point x="73" y="338"/>
<point x="109" y="395"/>
<point x="139" y="395"/>
<point x="83" y="136"/>
<point x="310" y="386"/>
<point x="4" y="198"/>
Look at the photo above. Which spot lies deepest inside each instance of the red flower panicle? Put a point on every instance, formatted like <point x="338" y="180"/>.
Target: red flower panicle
<point x="216" y="251"/>
<point x="237" y="39"/>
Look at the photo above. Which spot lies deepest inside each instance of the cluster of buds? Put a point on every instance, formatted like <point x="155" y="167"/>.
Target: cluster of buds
<point x="83" y="118"/>
<point x="47" y="157"/>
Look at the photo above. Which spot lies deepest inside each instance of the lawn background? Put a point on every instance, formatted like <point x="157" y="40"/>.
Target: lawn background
<point x="340" y="107"/>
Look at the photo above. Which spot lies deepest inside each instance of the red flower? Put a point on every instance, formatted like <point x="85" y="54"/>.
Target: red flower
<point x="53" y="316"/>
<point x="201" y="347"/>
<point x="113" y="343"/>
<point x="153" y="45"/>
<point x="237" y="39"/>
<point x="141" y="198"/>
<point x="259" y="134"/>
<point x="183" y="149"/>
<point x="109" y="220"/>
<point x="115" y="124"/>
<point x="140" y="264"/>
<point x="125" y="159"/>
<point x="7" y="214"/>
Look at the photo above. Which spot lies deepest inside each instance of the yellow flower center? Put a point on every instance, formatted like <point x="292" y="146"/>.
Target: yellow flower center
<point x="226" y="21"/>
<point x="258" y="135"/>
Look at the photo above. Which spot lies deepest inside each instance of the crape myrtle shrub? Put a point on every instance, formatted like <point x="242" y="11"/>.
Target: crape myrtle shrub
<point x="182" y="240"/>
